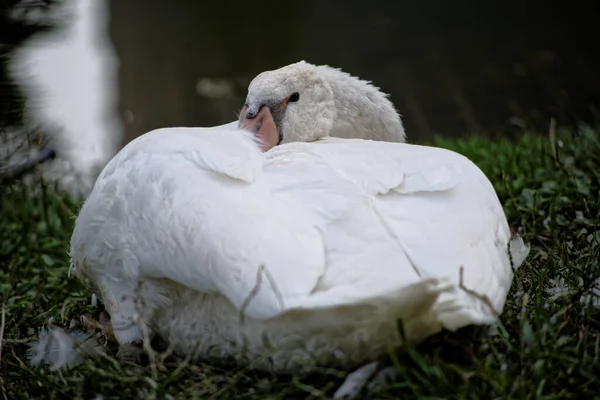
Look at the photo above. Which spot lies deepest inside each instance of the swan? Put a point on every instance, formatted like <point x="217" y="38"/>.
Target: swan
<point x="275" y="244"/>
<point x="68" y="77"/>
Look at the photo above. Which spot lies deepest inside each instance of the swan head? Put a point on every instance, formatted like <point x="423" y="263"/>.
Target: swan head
<point x="302" y="102"/>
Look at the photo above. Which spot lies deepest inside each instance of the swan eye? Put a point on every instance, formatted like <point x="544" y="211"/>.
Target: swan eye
<point x="294" y="97"/>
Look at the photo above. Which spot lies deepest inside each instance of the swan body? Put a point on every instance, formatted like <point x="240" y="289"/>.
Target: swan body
<point x="276" y="244"/>
<point x="305" y="254"/>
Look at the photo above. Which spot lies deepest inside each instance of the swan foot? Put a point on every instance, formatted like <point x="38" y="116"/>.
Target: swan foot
<point x="128" y="352"/>
<point x="102" y="327"/>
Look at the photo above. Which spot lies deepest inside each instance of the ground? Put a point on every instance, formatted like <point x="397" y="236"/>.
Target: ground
<point x="547" y="345"/>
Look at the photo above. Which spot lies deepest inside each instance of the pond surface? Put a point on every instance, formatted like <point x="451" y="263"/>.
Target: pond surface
<point x="450" y="67"/>
<point x="491" y="67"/>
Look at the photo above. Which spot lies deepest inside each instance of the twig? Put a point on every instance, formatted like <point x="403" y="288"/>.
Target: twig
<point x="147" y="345"/>
<point x="17" y="341"/>
<point x="259" y="277"/>
<point x="274" y="287"/>
<point x="252" y="294"/>
<point x="13" y="173"/>
<point x="473" y="293"/>
<point x="184" y="363"/>
<point x="167" y="353"/>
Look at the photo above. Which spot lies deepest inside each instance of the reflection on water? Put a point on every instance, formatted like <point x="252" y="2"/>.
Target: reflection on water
<point x="450" y="67"/>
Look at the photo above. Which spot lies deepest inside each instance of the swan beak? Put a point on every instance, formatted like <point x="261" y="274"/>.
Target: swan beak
<point x="262" y="124"/>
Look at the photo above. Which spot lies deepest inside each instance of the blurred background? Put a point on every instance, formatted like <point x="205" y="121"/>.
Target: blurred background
<point x="451" y="67"/>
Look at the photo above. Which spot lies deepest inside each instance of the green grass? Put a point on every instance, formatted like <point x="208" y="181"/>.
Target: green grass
<point x="548" y="345"/>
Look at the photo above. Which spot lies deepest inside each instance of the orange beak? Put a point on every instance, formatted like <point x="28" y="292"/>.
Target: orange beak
<point x="263" y="125"/>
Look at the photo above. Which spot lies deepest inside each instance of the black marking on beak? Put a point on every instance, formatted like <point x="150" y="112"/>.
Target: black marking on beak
<point x="253" y="111"/>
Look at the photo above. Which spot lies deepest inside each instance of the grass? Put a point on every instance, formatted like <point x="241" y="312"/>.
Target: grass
<point x="547" y="347"/>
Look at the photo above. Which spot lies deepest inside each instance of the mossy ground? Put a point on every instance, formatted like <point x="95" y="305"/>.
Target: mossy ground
<point x="547" y="347"/>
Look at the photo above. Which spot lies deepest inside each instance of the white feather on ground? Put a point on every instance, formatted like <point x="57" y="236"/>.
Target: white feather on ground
<point x="59" y="348"/>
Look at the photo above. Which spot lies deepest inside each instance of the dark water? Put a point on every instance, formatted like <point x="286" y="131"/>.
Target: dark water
<point x="451" y="67"/>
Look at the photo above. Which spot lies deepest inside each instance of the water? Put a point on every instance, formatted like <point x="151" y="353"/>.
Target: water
<point x="450" y="67"/>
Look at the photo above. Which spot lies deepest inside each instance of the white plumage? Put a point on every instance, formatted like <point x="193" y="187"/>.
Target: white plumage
<point x="344" y="236"/>
<point x="305" y="254"/>
<point x="69" y="79"/>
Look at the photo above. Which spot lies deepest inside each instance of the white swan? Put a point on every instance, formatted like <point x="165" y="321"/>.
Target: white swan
<point x="69" y="79"/>
<point x="306" y="254"/>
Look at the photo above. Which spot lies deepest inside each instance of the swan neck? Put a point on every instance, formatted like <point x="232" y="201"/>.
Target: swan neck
<point x="362" y="110"/>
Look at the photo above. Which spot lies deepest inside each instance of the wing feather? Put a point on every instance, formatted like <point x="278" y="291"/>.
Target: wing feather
<point x="305" y="225"/>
